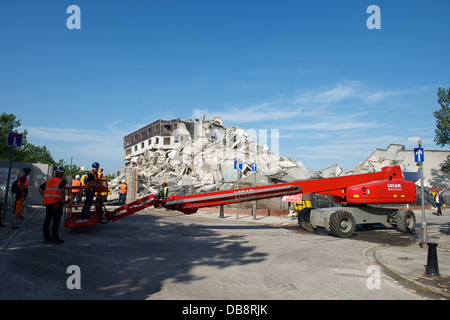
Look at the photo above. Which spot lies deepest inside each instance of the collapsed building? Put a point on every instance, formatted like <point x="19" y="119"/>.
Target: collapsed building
<point x="397" y="155"/>
<point x="195" y="156"/>
<point x="198" y="156"/>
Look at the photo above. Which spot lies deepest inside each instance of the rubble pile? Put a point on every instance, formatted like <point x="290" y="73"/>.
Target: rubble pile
<point x="206" y="163"/>
<point x="394" y="155"/>
<point x="202" y="159"/>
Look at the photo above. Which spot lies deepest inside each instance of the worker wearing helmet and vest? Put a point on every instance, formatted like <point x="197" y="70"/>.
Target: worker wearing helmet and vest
<point x="92" y="179"/>
<point x="76" y="192"/>
<point x="54" y="195"/>
<point x="164" y="191"/>
<point x="122" y="192"/>
<point x="22" y="184"/>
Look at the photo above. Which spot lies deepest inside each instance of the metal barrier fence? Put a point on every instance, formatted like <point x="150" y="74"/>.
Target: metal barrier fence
<point x="11" y="201"/>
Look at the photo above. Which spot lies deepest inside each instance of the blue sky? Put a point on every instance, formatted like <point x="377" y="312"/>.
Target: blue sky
<point x="334" y="89"/>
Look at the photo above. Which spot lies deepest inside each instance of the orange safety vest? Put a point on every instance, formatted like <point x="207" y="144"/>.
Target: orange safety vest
<point x="76" y="183"/>
<point x="52" y="192"/>
<point x="25" y="184"/>
<point x="122" y="188"/>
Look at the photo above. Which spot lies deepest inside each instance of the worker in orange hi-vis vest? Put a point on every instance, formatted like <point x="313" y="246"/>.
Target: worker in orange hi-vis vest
<point x="122" y="192"/>
<point x="22" y="184"/>
<point x="54" y="195"/>
<point x="76" y="192"/>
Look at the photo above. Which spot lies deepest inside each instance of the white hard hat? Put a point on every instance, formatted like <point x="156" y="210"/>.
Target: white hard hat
<point x="77" y="176"/>
<point x="60" y="169"/>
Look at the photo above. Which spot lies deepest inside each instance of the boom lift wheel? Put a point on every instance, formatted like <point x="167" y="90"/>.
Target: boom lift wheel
<point x="304" y="219"/>
<point x="406" y="221"/>
<point x="342" y="224"/>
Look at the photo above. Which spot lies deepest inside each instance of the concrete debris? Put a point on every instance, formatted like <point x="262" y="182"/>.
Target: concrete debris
<point x="199" y="157"/>
<point x="392" y="156"/>
<point x="333" y="171"/>
<point x="397" y="155"/>
<point x="205" y="162"/>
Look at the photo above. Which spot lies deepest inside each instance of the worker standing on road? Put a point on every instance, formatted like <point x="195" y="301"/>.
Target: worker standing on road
<point x="76" y="192"/>
<point x="438" y="202"/>
<point x="54" y="195"/>
<point x="22" y="184"/>
<point x="122" y="193"/>
<point x="164" y="191"/>
<point x="92" y="179"/>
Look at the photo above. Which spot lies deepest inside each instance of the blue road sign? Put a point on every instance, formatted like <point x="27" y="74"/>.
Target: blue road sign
<point x="14" y="139"/>
<point x="419" y="154"/>
<point x="238" y="164"/>
<point x="254" y="168"/>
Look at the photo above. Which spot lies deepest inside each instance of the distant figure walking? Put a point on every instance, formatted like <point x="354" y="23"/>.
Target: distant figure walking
<point x="438" y="201"/>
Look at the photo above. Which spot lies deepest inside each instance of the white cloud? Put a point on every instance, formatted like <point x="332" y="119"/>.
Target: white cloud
<point x="63" y="134"/>
<point x="352" y="89"/>
<point x="198" y="113"/>
<point x="383" y="94"/>
<point x="337" y="125"/>
<point x="104" y="145"/>
<point x="343" y="90"/>
<point x="267" y="111"/>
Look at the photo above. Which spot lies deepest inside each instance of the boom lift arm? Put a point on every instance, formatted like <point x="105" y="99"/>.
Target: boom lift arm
<point x="385" y="186"/>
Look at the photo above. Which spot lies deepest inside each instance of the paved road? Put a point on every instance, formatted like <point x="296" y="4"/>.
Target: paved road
<point x="162" y="255"/>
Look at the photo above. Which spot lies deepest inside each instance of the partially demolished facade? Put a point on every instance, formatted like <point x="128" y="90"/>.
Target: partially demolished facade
<point x="198" y="156"/>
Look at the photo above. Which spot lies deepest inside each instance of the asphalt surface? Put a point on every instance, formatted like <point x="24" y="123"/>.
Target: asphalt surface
<point x="158" y="254"/>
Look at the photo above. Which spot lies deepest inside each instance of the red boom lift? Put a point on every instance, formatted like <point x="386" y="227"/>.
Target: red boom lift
<point x="354" y="192"/>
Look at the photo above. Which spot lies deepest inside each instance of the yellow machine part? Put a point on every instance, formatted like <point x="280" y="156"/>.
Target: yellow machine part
<point x="109" y="184"/>
<point x="301" y="205"/>
<point x="84" y="177"/>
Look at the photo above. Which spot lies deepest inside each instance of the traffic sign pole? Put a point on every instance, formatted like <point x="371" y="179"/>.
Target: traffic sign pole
<point x="254" y="205"/>
<point x="237" y="208"/>
<point x="424" y="223"/>
<point x="419" y="157"/>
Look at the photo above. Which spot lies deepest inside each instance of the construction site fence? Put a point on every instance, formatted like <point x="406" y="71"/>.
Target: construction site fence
<point x="11" y="200"/>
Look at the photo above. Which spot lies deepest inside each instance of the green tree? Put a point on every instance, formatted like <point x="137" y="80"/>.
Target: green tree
<point x="71" y="170"/>
<point x="442" y="116"/>
<point x="36" y="154"/>
<point x="28" y="152"/>
<point x="8" y="123"/>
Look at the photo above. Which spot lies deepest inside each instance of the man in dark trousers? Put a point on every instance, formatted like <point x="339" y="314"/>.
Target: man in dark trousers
<point x="92" y="179"/>
<point x="438" y="201"/>
<point x="54" y="195"/>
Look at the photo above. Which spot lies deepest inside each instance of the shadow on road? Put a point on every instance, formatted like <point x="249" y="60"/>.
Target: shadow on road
<point x="130" y="259"/>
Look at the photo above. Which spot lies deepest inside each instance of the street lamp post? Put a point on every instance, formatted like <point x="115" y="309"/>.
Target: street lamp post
<point x="423" y="242"/>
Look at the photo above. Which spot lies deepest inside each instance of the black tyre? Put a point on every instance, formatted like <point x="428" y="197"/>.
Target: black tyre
<point x="406" y="221"/>
<point x="304" y="219"/>
<point x="342" y="224"/>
